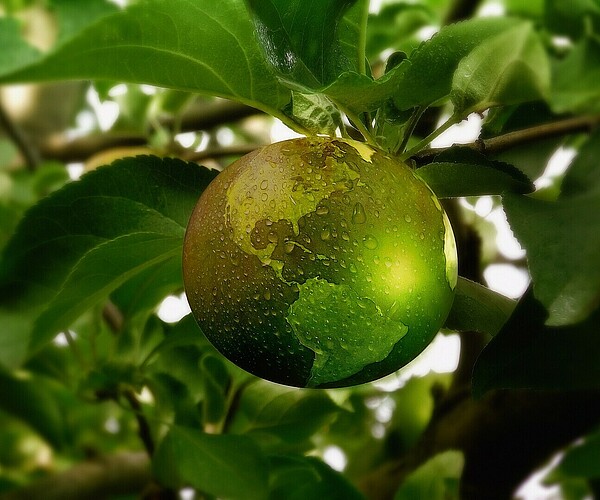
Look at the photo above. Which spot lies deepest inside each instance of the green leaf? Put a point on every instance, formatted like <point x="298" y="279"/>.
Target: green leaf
<point x="393" y="25"/>
<point x="216" y="381"/>
<point x="73" y="17"/>
<point x="292" y="415"/>
<point x="298" y="478"/>
<point x="85" y="240"/>
<point x="15" y="52"/>
<point x="32" y="400"/>
<point x="300" y="38"/>
<point x="583" y="175"/>
<point x="464" y="172"/>
<point x="168" y="43"/>
<point x="142" y="293"/>
<point x="436" y="479"/>
<point x="221" y="465"/>
<point x="575" y="79"/>
<point x="315" y="113"/>
<point x="563" y="244"/>
<point x="508" y="68"/>
<point x="573" y="17"/>
<point x="427" y="74"/>
<point x="583" y="459"/>
<point x="526" y="353"/>
<point x="98" y="272"/>
<point x="477" y="308"/>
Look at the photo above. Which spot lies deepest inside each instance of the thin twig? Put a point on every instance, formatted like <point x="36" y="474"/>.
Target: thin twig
<point x="510" y="140"/>
<point x="29" y="152"/>
<point x="143" y="426"/>
<point x="236" y="150"/>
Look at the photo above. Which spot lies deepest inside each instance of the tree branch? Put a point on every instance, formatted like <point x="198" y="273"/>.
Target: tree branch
<point x="143" y="427"/>
<point x="122" y="474"/>
<point x="202" y="116"/>
<point x="30" y="154"/>
<point x="510" y="140"/>
<point x="504" y="436"/>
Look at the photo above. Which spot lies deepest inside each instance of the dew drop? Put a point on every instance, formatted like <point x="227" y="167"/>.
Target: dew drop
<point x="370" y="242"/>
<point x="272" y="237"/>
<point x="264" y="184"/>
<point x="288" y="247"/>
<point x="325" y="234"/>
<point x="408" y="218"/>
<point x="322" y="210"/>
<point x="358" y="214"/>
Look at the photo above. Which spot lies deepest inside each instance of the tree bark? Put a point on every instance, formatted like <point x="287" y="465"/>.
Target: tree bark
<point x="122" y="474"/>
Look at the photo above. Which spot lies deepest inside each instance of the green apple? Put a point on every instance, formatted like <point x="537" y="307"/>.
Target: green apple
<point x="319" y="262"/>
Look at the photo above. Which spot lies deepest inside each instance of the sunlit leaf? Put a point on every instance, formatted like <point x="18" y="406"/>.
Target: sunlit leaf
<point x="168" y="43"/>
<point x="222" y="465"/>
<point x="477" y="308"/>
<point x="508" y="68"/>
<point x="575" y="79"/>
<point x="437" y="479"/>
<point x="300" y="38"/>
<point x="562" y="240"/>
<point x="427" y="74"/>
<point x="290" y="414"/>
<point x="77" y="245"/>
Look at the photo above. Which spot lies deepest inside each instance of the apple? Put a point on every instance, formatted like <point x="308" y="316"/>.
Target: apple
<point x="319" y="262"/>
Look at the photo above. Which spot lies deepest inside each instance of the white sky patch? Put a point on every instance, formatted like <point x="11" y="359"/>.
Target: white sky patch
<point x="441" y="356"/>
<point x="557" y="166"/>
<point x="112" y="425"/>
<point x="186" y="139"/>
<point x="61" y="339"/>
<point x="426" y="32"/>
<point x="225" y="136"/>
<point x="462" y="133"/>
<point x="75" y="170"/>
<point x="173" y="308"/>
<point x="534" y="488"/>
<point x="281" y="132"/>
<point x="492" y="9"/>
<point x="335" y="458"/>
<point x="506" y="242"/>
<point x="187" y="494"/>
<point x="118" y="90"/>
<point x="507" y="279"/>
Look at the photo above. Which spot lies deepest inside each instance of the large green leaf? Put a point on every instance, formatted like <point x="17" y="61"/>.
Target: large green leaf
<point x="222" y="465"/>
<point x="575" y="79"/>
<point x="85" y="240"/>
<point x="298" y="478"/>
<point x="526" y="353"/>
<point x="289" y="414"/>
<point x="572" y="18"/>
<point x="427" y="74"/>
<point x="300" y="38"/>
<point x="15" y="52"/>
<point x="583" y="176"/>
<point x="583" y="459"/>
<point x="436" y="479"/>
<point x="562" y="240"/>
<point x="32" y="400"/>
<point x="464" y="172"/>
<point x="203" y="46"/>
<point x="477" y="308"/>
<point x="508" y="68"/>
